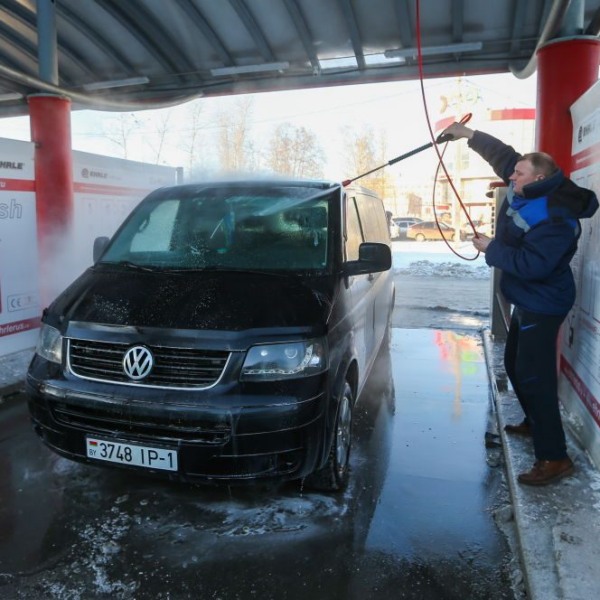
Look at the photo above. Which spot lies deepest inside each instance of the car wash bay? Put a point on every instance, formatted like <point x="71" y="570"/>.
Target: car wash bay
<point x="415" y="521"/>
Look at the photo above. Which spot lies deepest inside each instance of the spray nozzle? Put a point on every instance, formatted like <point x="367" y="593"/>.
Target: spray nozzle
<point x="444" y="137"/>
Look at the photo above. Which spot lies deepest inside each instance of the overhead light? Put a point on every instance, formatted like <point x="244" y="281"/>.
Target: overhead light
<point x="240" y="70"/>
<point x="10" y="96"/>
<point x="115" y="83"/>
<point x="434" y="50"/>
<point x="341" y="62"/>
<point x="379" y="58"/>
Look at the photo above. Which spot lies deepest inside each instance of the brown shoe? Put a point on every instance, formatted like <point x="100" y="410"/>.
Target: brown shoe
<point x="522" y="428"/>
<point x="547" y="471"/>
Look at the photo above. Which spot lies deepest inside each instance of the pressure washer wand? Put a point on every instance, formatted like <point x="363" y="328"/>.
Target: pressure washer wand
<point x="439" y="140"/>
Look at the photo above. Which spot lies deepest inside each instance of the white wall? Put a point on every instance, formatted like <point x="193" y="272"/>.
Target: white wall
<point x="105" y="190"/>
<point x="19" y="295"/>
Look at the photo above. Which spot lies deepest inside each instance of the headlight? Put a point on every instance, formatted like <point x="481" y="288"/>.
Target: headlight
<point x="49" y="345"/>
<point x="269" y="362"/>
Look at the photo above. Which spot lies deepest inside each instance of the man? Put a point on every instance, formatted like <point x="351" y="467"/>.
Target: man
<point x="536" y="237"/>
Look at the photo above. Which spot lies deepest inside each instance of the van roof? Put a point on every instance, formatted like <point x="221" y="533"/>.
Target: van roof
<point x="322" y="184"/>
<point x="257" y="181"/>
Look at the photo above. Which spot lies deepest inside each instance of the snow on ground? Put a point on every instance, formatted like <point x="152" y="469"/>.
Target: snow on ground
<point x="436" y="288"/>
<point x="437" y="259"/>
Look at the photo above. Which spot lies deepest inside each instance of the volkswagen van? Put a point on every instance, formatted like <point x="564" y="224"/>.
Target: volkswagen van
<point x="223" y="334"/>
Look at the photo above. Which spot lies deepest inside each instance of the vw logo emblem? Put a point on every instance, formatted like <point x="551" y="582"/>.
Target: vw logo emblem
<point x="138" y="362"/>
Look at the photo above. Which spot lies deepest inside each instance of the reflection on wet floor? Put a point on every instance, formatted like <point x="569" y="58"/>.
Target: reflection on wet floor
<point x="436" y="487"/>
<point x="415" y="522"/>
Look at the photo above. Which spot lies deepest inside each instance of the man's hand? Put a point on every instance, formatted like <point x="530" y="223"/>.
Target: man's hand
<point x="481" y="242"/>
<point x="457" y="131"/>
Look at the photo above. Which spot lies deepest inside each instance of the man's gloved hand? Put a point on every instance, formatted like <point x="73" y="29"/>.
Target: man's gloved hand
<point x="457" y="131"/>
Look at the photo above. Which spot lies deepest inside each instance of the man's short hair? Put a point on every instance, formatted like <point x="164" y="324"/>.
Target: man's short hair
<point x="543" y="164"/>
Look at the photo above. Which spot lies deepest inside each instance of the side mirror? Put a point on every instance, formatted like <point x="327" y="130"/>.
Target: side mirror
<point x="373" y="257"/>
<point x="100" y="244"/>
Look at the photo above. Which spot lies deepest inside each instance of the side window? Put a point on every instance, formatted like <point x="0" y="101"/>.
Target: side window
<point x="355" y="237"/>
<point x="373" y="219"/>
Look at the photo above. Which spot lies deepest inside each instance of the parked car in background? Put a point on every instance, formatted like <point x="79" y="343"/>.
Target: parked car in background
<point x="394" y="230"/>
<point x="428" y="230"/>
<point x="403" y="223"/>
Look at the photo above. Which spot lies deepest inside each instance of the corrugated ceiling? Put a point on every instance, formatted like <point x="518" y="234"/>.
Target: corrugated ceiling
<point x="133" y="54"/>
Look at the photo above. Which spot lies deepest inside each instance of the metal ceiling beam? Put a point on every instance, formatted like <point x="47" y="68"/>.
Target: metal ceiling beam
<point x="67" y="53"/>
<point x="303" y="32"/>
<point x="593" y="27"/>
<point x="6" y="59"/>
<point x="254" y="30"/>
<point x="18" y="42"/>
<point x="572" y="22"/>
<point x="545" y="12"/>
<point x="33" y="84"/>
<point x="95" y="37"/>
<point x="354" y="32"/>
<point x="552" y="24"/>
<point x="517" y="27"/>
<point x="47" y="46"/>
<point x="458" y="20"/>
<point x="151" y="35"/>
<point x="197" y="18"/>
<point x="402" y="11"/>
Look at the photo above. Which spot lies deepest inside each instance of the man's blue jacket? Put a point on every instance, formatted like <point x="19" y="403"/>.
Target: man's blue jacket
<point x="536" y="233"/>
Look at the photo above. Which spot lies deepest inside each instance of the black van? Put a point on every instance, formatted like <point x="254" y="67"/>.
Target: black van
<point x="224" y="333"/>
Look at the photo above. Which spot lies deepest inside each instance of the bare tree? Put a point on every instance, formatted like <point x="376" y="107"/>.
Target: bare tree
<point x="162" y="131"/>
<point x="121" y="129"/>
<point x="365" y="151"/>
<point x="234" y="145"/>
<point x="295" y="151"/>
<point x="195" y="126"/>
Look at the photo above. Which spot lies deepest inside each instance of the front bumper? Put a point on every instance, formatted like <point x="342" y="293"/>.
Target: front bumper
<point x="232" y="438"/>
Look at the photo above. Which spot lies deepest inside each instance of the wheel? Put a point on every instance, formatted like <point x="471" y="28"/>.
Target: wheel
<point x="420" y="237"/>
<point x="335" y="474"/>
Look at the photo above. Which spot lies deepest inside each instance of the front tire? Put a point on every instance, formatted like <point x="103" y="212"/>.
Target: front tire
<point x="335" y="474"/>
<point x="420" y="237"/>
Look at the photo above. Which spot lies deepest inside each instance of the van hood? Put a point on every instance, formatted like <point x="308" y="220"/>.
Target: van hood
<point x="206" y="300"/>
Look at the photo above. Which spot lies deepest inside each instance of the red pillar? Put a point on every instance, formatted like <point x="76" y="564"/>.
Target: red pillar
<point x="50" y="118"/>
<point x="566" y="69"/>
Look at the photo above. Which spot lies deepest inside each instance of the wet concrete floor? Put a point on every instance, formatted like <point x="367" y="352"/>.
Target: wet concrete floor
<point x="414" y="523"/>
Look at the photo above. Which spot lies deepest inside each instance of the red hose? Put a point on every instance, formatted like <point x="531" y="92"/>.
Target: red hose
<point x="465" y="119"/>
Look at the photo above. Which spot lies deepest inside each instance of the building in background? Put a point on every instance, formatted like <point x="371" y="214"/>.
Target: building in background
<point x="471" y="176"/>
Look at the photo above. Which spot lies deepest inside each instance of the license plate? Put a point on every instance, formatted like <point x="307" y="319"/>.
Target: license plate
<point x="131" y="454"/>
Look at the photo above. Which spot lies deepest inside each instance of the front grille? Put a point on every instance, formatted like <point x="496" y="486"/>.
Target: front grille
<point x="120" y="420"/>
<point x="173" y="367"/>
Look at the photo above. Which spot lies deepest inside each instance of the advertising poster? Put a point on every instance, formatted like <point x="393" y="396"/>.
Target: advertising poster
<point x="19" y="295"/>
<point x="580" y="347"/>
<point x="105" y="191"/>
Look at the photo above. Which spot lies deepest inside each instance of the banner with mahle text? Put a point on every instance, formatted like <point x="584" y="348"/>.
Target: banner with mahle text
<point x="105" y="191"/>
<point x="19" y="297"/>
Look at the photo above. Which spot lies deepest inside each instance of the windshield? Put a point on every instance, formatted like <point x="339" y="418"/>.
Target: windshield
<point x="247" y="227"/>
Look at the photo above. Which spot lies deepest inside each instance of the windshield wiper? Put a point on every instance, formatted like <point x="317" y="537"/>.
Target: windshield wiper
<point x="223" y="269"/>
<point x="131" y="265"/>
